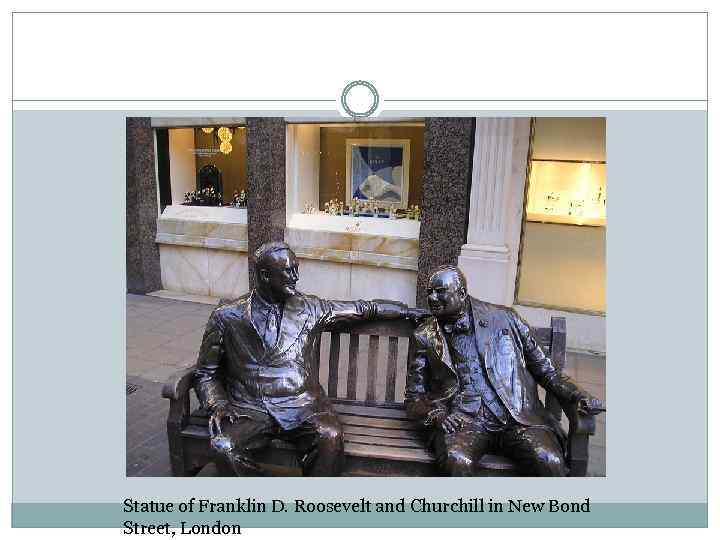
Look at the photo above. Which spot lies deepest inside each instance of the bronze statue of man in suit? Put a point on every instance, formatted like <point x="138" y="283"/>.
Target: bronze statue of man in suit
<point x="255" y="371"/>
<point x="473" y="382"/>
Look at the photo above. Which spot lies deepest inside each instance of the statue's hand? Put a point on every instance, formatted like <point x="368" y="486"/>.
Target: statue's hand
<point x="417" y="315"/>
<point x="220" y="411"/>
<point x="590" y="405"/>
<point x="449" y="423"/>
<point x="454" y="422"/>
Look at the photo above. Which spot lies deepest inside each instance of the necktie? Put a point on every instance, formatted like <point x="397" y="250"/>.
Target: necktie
<point x="271" y="326"/>
<point x="458" y="327"/>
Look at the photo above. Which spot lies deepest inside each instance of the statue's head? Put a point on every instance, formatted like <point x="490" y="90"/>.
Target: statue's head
<point x="276" y="271"/>
<point x="447" y="291"/>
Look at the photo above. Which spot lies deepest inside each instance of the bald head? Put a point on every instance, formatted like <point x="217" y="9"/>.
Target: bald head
<point x="447" y="291"/>
<point x="276" y="270"/>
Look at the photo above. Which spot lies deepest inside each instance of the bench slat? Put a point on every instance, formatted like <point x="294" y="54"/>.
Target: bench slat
<point x="352" y="366"/>
<point x="380" y="432"/>
<point x="385" y="423"/>
<point x="391" y="373"/>
<point x="333" y="364"/>
<point x="372" y="368"/>
<point x="385" y="452"/>
<point x="196" y="432"/>
<point x="383" y="441"/>
<point x="400" y="327"/>
<point x="544" y="336"/>
<point x="375" y="412"/>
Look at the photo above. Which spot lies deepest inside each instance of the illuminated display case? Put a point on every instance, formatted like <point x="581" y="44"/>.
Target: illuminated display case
<point x="569" y="192"/>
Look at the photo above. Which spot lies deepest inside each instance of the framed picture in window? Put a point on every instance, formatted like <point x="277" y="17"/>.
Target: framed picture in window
<point x="378" y="169"/>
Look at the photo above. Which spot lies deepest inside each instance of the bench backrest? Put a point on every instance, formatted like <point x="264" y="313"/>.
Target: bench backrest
<point x="373" y="350"/>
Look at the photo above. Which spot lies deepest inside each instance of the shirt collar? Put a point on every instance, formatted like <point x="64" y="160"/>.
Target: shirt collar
<point x="264" y="305"/>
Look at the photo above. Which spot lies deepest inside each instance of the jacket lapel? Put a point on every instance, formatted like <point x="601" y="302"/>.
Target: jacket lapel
<point x="441" y="366"/>
<point x="481" y="327"/>
<point x="294" y="320"/>
<point x="248" y="314"/>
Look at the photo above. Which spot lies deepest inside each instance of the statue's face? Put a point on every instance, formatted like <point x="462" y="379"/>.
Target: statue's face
<point x="281" y="275"/>
<point x="446" y="297"/>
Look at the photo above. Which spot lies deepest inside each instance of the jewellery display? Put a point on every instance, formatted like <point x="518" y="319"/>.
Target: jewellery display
<point x="203" y="197"/>
<point x="567" y="192"/>
<point x="239" y="199"/>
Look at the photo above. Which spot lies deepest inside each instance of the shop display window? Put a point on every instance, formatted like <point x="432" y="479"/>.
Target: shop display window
<point x="357" y="170"/>
<point x="204" y="166"/>
<point x="562" y="259"/>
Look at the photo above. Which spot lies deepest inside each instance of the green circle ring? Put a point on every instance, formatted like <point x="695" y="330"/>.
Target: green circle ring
<point x="363" y="114"/>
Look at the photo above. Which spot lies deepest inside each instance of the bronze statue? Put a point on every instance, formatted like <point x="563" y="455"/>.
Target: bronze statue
<point x="473" y="382"/>
<point x="254" y="371"/>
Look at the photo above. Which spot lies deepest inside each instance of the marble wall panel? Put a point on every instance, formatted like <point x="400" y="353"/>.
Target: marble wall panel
<point x="185" y="269"/>
<point x="369" y="283"/>
<point x="228" y="273"/>
<point x="308" y="238"/>
<point x="386" y="245"/>
<point x="325" y="279"/>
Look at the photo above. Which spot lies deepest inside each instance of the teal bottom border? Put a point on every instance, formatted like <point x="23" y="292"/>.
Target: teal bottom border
<point x="109" y="515"/>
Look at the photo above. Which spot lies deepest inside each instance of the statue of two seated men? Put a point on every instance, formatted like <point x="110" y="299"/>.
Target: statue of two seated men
<point x="472" y="381"/>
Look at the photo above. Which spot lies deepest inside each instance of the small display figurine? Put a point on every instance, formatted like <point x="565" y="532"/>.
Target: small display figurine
<point x="239" y="199"/>
<point x="334" y="207"/>
<point x="413" y="212"/>
<point x="203" y="197"/>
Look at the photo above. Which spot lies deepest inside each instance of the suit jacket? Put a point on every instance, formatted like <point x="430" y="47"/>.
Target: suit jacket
<point x="235" y="365"/>
<point x="514" y="362"/>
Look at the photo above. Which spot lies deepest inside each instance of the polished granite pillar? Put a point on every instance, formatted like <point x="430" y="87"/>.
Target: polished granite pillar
<point x="446" y="193"/>
<point x="141" y="253"/>
<point x="266" y="184"/>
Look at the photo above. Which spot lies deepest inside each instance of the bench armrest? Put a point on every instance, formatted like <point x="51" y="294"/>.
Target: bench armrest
<point x="580" y="424"/>
<point x="179" y="384"/>
<point x="578" y="445"/>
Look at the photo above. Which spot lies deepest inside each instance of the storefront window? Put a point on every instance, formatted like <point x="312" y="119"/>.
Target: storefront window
<point x="357" y="170"/>
<point x="206" y="166"/>
<point x="563" y="247"/>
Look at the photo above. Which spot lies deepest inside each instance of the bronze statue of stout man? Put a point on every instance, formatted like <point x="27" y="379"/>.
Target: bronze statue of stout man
<point x="473" y="383"/>
<point x="254" y="371"/>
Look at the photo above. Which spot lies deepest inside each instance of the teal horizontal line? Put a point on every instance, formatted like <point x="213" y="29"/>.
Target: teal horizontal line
<point x="110" y="515"/>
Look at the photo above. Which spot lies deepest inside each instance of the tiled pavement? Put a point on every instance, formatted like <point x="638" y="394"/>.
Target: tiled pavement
<point x="164" y="335"/>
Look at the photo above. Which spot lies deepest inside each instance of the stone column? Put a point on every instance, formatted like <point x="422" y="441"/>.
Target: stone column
<point x="142" y="257"/>
<point x="446" y="186"/>
<point x="490" y="256"/>
<point x="266" y="184"/>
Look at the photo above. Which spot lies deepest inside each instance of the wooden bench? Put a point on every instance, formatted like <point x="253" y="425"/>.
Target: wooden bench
<point x="380" y="440"/>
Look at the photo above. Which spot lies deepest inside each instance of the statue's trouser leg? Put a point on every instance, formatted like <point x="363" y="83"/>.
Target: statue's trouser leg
<point x="536" y="450"/>
<point x="238" y="439"/>
<point x="320" y="445"/>
<point x="458" y="453"/>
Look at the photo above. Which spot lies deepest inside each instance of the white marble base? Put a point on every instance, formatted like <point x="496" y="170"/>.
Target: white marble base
<point x="204" y="272"/>
<point x="397" y="228"/>
<point x="356" y="246"/>
<point x="490" y="272"/>
<point x="325" y="279"/>
<point x="219" y="214"/>
<point x="203" y="226"/>
<point x="368" y="282"/>
<point x="342" y="281"/>
<point x="228" y="272"/>
<point x="185" y="269"/>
